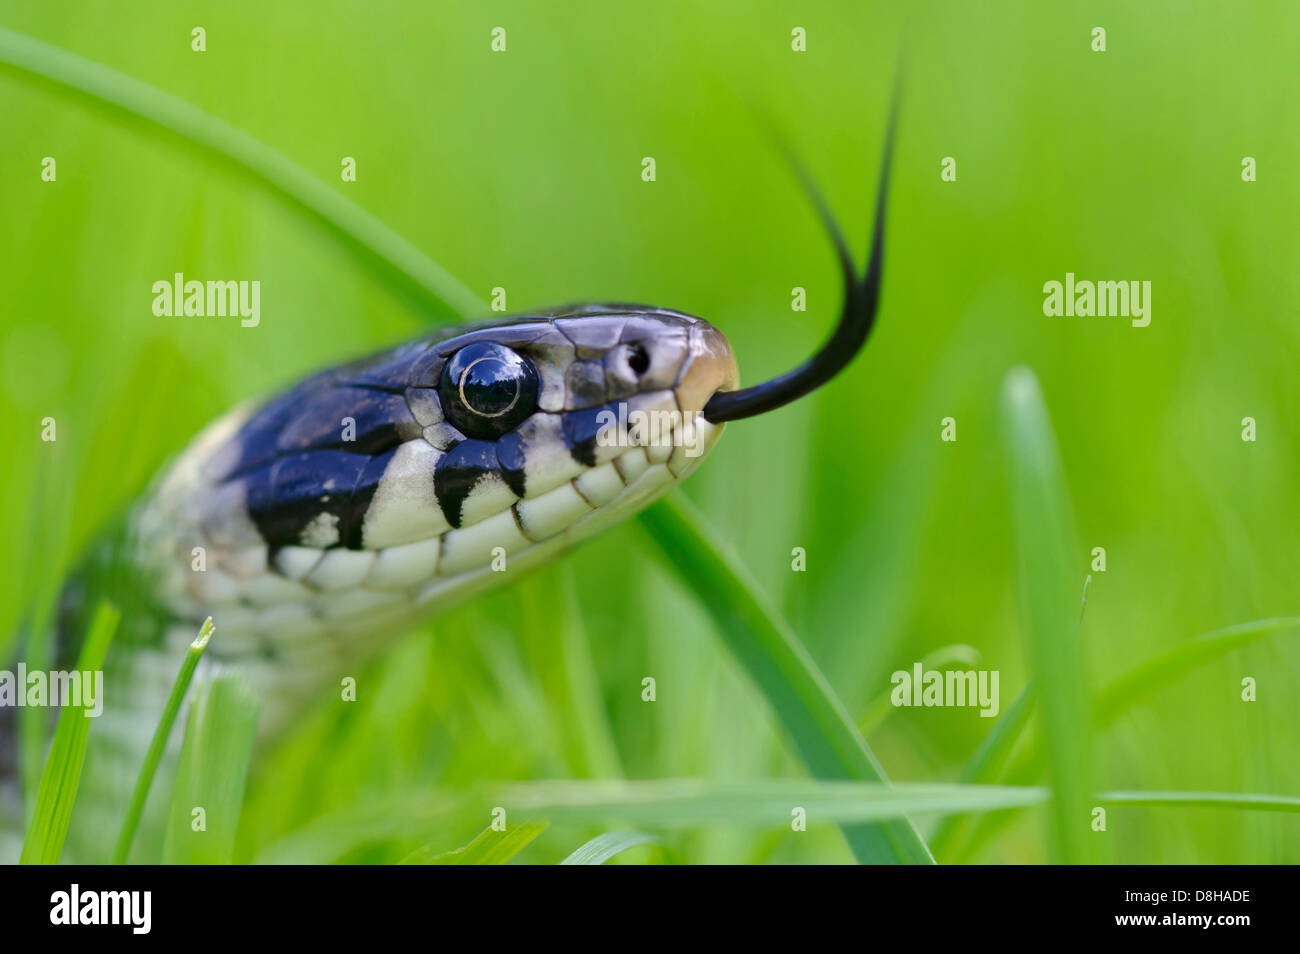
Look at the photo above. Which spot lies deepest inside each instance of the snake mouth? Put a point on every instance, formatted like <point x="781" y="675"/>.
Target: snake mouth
<point x="710" y="369"/>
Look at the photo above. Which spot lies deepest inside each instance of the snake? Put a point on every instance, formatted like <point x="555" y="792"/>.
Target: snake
<point x="317" y="524"/>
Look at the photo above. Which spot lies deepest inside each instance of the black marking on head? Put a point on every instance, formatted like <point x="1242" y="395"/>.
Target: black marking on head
<point x="286" y="496"/>
<point x="512" y="461"/>
<point x="352" y="526"/>
<point x="458" y="470"/>
<point x="379" y="421"/>
<point x="310" y="416"/>
<point x="580" y="431"/>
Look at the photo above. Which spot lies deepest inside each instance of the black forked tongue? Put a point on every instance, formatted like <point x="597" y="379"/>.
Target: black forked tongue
<point x="861" y="297"/>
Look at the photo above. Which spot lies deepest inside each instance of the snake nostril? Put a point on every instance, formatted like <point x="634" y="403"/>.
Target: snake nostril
<point x="638" y="359"/>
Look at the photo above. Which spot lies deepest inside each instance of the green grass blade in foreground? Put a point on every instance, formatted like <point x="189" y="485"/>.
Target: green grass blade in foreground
<point x="804" y="703"/>
<point x="42" y="568"/>
<point x="685" y="803"/>
<point x="1045" y="547"/>
<point x="605" y="846"/>
<point x="213" y="768"/>
<point x="1248" y="801"/>
<point x="62" y="775"/>
<point x="245" y="154"/>
<point x="161" y="734"/>
<point x="600" y="751"/>
<point x="691" y="803"/>
<point x="489" y="847"/>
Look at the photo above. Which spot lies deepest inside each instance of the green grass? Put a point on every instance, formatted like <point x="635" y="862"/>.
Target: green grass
<point x="159" y="742"/>
<point x="1050" y="572"/>
<point x="1109" y="704"/>
<point x="490" y="847"/>
<point x="814" y="719"/>
<point x="61" y="777"/>
<point x="608" y="845"/>
<point x="511" y="171"/>
<point x="767" y="802"/>
<point x="45" y="546"/>
<point x="210" y="778"/>
<point x="221" y="141"/>
<point x="1155" y="674"/>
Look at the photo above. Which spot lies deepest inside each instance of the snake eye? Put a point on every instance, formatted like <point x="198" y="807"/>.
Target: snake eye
<point x="487" y="390"/>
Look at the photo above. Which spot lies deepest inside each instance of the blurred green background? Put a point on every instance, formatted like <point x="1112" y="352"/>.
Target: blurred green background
<point x="522" y="169"/>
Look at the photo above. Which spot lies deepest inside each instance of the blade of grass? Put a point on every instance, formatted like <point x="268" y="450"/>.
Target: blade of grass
<point x="62" y="775"/>
<point x="161" y="734"/>
<point x="213" y="768"/>
<point x="49" y="542"/>
<point x="692" y="803"/>
<point x="1044" y="543"/>
<point x="1249" y="801"/>
<point x="674" y="803"/>
<point x="489" y="847"/>
<point x="244" y="154"/>
<point x="677" y="803"/>
<point x="596" y="734"/>
<point x="606" y="845"/>
<point x="803" y="701"/>
<point x="993" y="750"/>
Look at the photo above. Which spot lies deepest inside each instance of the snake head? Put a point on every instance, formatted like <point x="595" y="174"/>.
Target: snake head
<point x="381" y="485"/>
